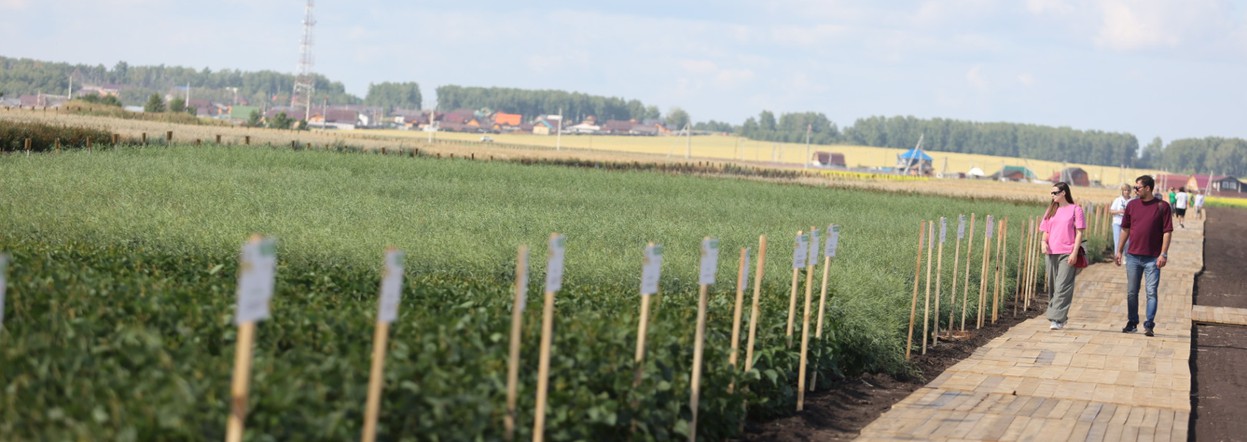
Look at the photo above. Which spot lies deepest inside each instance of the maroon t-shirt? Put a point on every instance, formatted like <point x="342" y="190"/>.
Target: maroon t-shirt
<point x="1148" y="222"/>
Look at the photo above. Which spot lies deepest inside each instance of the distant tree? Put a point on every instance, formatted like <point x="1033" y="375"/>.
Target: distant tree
<point x="714" y="126"/>
<point x="177" y="105"/>
<point x="253" y="120"/>
<point x="394" y="95"/>
<point x="281" y="121"/>
<point x="677" y="118"/>
<point x="301" y="125"/>
<point x="766" y="121"/>
<point x="154" y="104"/>
<point x="192" y="111"/>
<point x="1153" y="154"/>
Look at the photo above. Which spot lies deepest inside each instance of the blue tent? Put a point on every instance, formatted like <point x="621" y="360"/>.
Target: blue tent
<point x="914" y="153"/>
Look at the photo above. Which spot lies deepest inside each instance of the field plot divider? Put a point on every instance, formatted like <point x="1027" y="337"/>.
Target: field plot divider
<point x="926" y="302"/>
<point x="796" y="275"/>
<point x="709" y="266"/>
<point x="554" y="281"/>
<point x="965" y="295"/>
<point x="387" y="312"/>
<point x="913" y="303"/>
<point x="952" y="294"/>
<point x="810" y="261"/>
<point x="939" y="273"/>
<point x="742" y="278"/>
<point x="517" y="320"/>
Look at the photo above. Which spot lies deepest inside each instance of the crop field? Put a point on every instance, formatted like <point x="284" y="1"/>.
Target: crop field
<point x="121" y="292"/>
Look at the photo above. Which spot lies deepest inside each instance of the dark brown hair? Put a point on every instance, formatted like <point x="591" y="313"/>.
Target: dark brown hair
<point x="1063" y="187"/>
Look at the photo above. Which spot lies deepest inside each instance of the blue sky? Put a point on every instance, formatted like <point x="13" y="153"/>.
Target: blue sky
<point x="1172" y="69"/>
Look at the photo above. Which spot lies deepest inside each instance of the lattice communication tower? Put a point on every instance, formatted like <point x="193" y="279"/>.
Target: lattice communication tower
<point x="304" y="83"/>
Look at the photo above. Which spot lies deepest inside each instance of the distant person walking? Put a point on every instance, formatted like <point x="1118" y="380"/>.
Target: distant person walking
<point x="1118" y="208"/>
<point x="1147" y="227"/>
<point x="1062" y="228"/>
<point x="1179" y="205"/>
<point x="1199" y="203"/>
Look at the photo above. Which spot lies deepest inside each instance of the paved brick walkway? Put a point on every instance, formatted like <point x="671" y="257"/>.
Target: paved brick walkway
<point x="1086" y="382"/>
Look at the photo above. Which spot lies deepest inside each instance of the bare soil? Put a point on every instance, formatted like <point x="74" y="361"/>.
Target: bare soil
<point x="1219" y="352"/>
<point x="841" y="411"/>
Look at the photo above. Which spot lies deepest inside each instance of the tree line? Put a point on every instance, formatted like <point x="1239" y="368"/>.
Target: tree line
<point x="575" y="106"/>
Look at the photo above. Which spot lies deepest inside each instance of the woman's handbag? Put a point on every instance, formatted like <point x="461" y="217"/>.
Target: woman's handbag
<point x="1081" y="260"/>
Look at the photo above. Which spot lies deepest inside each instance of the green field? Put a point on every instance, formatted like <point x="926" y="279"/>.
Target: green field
<point x="121" y="292"/>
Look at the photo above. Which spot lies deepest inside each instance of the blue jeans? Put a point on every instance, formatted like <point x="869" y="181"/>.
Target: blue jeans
<point x="1139" y="267"/>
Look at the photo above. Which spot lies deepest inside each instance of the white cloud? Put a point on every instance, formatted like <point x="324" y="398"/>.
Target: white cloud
<point x="975" y="77"/>
<point x="1026" y="79"/>
<point x="1057" y="7"/>
<point x="808" y="35"/>
<point x="1147" y="24"/>
<point x="13" y="5"/>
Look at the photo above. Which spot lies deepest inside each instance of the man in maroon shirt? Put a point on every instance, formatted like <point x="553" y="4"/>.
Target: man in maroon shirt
<point x="1146" y="226"/>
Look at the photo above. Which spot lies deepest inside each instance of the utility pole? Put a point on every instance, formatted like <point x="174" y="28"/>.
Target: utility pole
<point x="305" y="83"/>
<point x="808" y="129"/>
<point x="688" y="145"/>
<point x="558" y="133"/>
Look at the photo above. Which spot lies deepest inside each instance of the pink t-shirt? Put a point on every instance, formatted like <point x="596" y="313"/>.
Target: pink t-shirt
<point x="1062" y="228"/>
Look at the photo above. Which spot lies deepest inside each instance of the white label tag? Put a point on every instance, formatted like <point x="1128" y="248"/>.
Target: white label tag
<point x="961" y="227"/>
<point x="709" y="261"/>
<point x="943" y="229"/>
<point x="651" y="269"/>
<point x="521" y="280"/>
<point x="833" y="241"/>
<point x="257" y="268"/>
<point x="4" y="271"/>
<point x="799" y="251"/>
<point x="990" y="226"/>
<point x="391" y="286"/>
<point x="554" y="264"/>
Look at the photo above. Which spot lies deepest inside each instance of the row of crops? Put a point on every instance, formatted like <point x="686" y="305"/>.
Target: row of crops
<point x="121" y="292"/>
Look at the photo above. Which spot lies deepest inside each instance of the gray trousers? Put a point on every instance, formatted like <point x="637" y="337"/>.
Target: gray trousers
<point x="1061" y="280"/>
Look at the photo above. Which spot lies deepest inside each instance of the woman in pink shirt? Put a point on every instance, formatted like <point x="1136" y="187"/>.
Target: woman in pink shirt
<point x="1062" y="228"/>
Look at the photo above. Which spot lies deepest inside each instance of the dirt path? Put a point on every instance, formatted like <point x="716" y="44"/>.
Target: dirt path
<point x="1219" y="352"/>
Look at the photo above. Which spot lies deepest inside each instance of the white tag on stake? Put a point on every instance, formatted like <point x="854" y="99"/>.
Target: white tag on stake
<point x="257" y="269"/>
<point x="943" y="229"/>
<point x="554" y="264"/>
<point x="709" y="261"/>
<point x="521" y="280"/>
<point x="961" y="227"/>
<point x="651" y="269"/>
<point x="391" y="286"/>
<point x="799" y="251"/>
<point x="990" y="226"/>
<point x="833" y="241"/>
<point x="4" y="271"/>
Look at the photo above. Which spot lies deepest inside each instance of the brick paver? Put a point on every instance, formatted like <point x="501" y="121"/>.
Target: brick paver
<point x="1089" y="381"/>
<point x="1219" y="315"/>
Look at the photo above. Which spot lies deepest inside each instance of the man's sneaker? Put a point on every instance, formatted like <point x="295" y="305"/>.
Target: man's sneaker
<point x="1148" y="332"/>
<point x="1053" y="325"/>
<point x="1129" y="328"/>
<point x="1060" y="325"/>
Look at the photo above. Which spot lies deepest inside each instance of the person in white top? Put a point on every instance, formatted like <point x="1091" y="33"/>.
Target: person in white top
<point x="1118" y="208"/>
<point x="1179" y="205"/>
<point x="1199" y="204"/>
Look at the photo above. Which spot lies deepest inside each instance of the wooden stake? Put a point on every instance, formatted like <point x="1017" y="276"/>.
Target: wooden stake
<point x="965" y="295"/>
<point x="742" y="277"/>
<point x="553" y="284"/>
<point x="952" y="295"/>
<point x="913" y="303"/>
<point x="387" y="312"/>
<point x="757" y="294"/>
<point x="255" y="288"/>
<point x="1017" y="272"/>
<point x="811" y="259"/>
<point x="797" y="263"/>
<point x="926" y="301"/>
<point x="984" y="276"/>
<point x="517" y="320"/>
<point x="829" y="249"/>
<point x="709" y="264"/>
<point x="939" y="272"/>
<point x="1001" y="262"/>
<point x="241" y="382"/>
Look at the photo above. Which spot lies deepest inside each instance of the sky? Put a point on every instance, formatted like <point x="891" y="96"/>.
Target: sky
<point x="1152" y="68"/>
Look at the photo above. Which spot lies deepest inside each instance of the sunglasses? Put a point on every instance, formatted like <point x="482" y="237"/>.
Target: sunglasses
<point x="1138" y="187"/>
<point x="1057" y="192"/>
